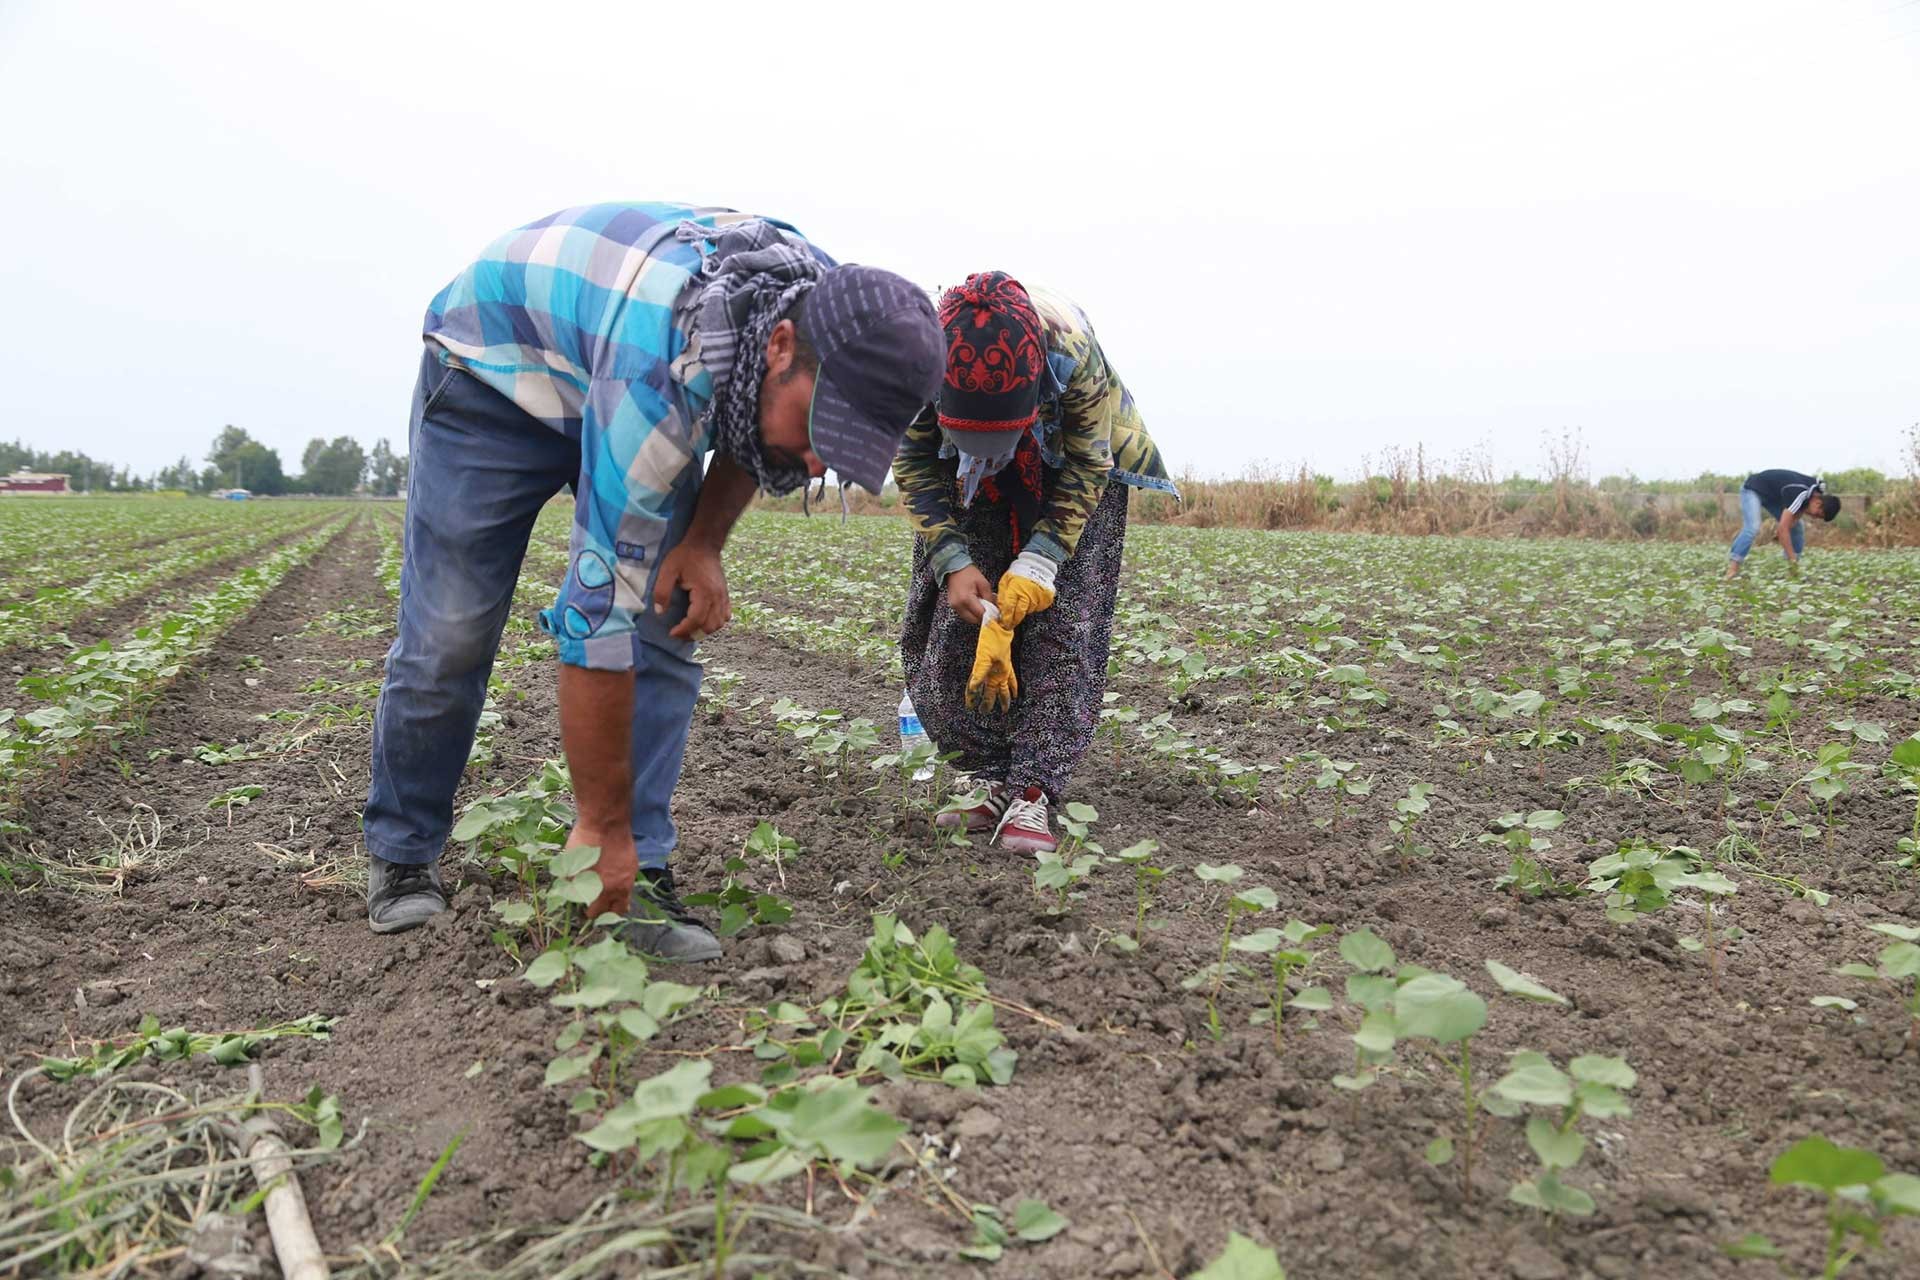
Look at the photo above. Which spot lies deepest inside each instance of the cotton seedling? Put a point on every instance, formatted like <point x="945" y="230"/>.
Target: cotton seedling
<point x="739" y="903"/>
<point x="1903" y="765"/>
<point x="616" y="1007"/>
<point x="819" y="1120"/>
<point x="1829" y="779"/>
<point x="1286" y="949"/>
<point x="1443" y="1011"/>
<point x="1861" y="1199"/>
<point x="1057" y="873"/>
<point x="1408" y="810"/>
<point x="1239" y="902"/>
<point x="235" y="797"/>
<point x="1338" y="777"/>
<point x="1590" y="1086"/>
<point x="1638" y="878"/>
<point x="1613" y="730"/>
<point x="1145" y="876"/>
<point x="1076" y="821"/>
<point x="1897" y="965"/>
<point x="1522" y="836"/>
<point x="912" y="1008"/>
<point x="1709" y="885"/>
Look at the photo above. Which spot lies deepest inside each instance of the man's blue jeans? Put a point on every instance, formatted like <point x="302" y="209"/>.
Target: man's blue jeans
<point x="1750" y="528"/>
<point x="479" y="471"/>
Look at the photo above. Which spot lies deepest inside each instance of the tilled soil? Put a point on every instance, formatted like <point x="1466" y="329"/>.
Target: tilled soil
<point x="1153" y="1138"/>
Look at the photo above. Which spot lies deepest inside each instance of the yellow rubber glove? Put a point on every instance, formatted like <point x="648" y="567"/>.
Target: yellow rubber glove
<point x="992" y="686"/>
<point x="1020" y="597"/>
<point x="1026" y="588"/>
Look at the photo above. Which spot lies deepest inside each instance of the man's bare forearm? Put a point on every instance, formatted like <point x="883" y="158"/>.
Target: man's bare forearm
<point x="726" y="492"/>
<point x="596" y="725"/>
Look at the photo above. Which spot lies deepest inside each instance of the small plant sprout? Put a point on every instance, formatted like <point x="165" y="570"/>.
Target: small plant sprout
<point x="1054" y="872"/>
<point x="236" y="797"/>
<point x="1337" y="776"/>
<point x="1862" y="1197"/>
<point x="1898" y="965"/>
<point x="1077" y="821"/>
<point x="1287" y="949"/>
<point x="1239" y="902"/>
<point x="1904" y="767"/>
<point x="1440" y="1009"/>
<point x="1408" y="810"/>
<point x="1828" y="780"/>
<point x="767" y="842"/>
<point x="1709" y="885"/>
<point x="1638" y="879"/>
<point x="1590" y="1086"/>
<point x="1520" y="834"/>
<point x="1145" y="876"/>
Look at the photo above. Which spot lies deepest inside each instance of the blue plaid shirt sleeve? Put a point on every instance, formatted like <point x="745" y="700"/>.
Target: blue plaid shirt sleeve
<point x="573" y="318"/>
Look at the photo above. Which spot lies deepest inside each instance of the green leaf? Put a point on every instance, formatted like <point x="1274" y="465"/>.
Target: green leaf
<point x="548" y="967"/>
<point x="1033" y="1221"/>
<point x="1258" y="898"/>
<point x="1259" y="942"/>
<point x="1519" y="984"/>
<point x="1370" y="990"/>
<point x="514" y="912"/>
<point x="579" y="890"/>
<point x="1557" y="1148"/>
<point x="1311" y="1000"/>
<point x="1601" y="1101"/>
<point x="1539" y="1084"/>
<point x="1437" y="1007"/>
<point x="473" y="822"/>
<point x="1366" y="952"/>
<point x="1355" y="1082"/>
<point x="1866" y="971"/>
<point x="1242" y="1259"/>
<point x="1906" y="933"/>
<point x="1818" y="1164"/>
<point x="1595" y="1069"/>
<point x="571" y="862"/>
<point x="840" y="1123"/>
<point x="1545" y="819"/>
<point x="784" y="1162"/>
<point x="1709" y="882"/>
<point x="1907" y="754"/>
<point x="1376" y="1033"/>
<point x="1900" y="960"/>
<point x="1751" y="1246"/>
<point x="674" y="1093"/>
<point x="479" y="1065"/>
<point x="1833" y="1002"/>
<point x="1897" y="1194"/>
<point x="570" y="1067"/>
<point x="1226" y="873"/>
<point x="1440" y="1151"/>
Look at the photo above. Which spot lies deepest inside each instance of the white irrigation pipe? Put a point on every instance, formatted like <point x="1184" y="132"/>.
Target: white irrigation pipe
<point x="294" y="1243"/>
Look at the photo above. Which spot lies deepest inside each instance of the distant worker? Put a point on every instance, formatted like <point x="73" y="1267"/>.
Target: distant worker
<point x="1017" y="475"/>
<point x="1789" y="497"/>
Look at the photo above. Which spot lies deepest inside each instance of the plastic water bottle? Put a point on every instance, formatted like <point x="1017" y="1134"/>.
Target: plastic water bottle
<point x="913" y="734"/>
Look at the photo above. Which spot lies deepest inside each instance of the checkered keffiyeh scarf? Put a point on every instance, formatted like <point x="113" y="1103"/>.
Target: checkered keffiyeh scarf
<point x="752" y="277"/>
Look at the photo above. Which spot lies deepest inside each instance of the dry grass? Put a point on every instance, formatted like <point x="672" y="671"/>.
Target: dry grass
<point x="1404" y="492"/>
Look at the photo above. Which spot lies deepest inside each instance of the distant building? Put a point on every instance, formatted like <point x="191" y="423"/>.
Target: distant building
<point x="24" y="481"/>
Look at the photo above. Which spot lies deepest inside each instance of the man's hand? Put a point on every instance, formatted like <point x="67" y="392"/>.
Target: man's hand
<point x="695" y="565"/>
<point x="967" y="591"/>
<point x="618" y="866"/>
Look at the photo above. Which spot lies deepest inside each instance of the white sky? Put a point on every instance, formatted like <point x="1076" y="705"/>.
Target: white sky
<point x="1307" y="233"/>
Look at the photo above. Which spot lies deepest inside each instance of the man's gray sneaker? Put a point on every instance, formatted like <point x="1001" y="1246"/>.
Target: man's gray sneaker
<point x="660" y="926"/>
<point x="402" y="895"/>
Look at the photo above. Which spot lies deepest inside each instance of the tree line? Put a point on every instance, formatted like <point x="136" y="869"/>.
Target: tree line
<point x="234" y="461"/>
